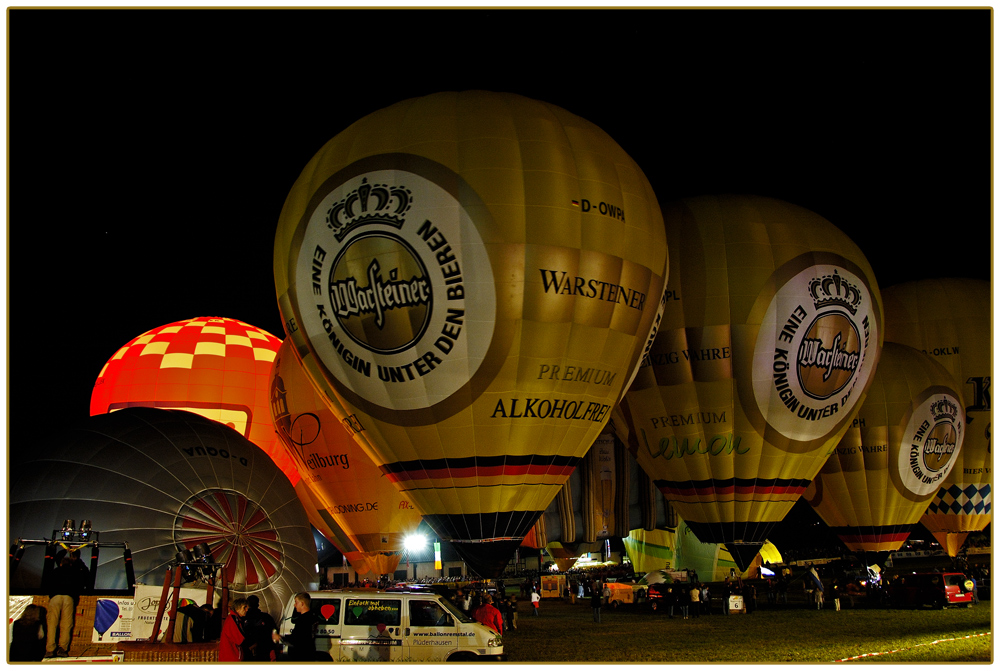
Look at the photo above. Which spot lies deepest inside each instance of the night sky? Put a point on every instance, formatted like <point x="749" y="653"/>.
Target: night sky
<point x="150" y="151"/>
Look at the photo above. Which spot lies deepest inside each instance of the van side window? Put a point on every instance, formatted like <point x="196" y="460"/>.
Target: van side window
<point x="328" y="610"/>
<point x="372" y="612"/>
<point x="427" y="614"/>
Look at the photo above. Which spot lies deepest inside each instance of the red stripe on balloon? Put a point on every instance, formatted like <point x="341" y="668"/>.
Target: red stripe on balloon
<point x="733" y="489"/>
<point x="874" y="538"/>
<point x="478" y="472"/>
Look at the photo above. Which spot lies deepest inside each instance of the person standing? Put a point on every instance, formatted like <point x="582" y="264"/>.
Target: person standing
<point x="595" y="604"/>
<point x="512" y="600"/>
<point x="670" y="599"/>
<point x="68" y="581"/>
<point x="302" y="639"/>
<point x="836" y="589"/>
<point x="706" y="602"/>
<point x="503" y="606"/>
<point x="258" y="627"/>
<point x="27" y="640"/>
<point x="488" y="615"/>
<point x="536" y="599"/>
<point x="232" y="638"/>
<point x="750" y="597"/>
<point x="695" y="595"/>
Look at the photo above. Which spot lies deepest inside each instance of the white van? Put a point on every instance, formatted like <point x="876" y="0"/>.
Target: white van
<point x="395" y="626"/>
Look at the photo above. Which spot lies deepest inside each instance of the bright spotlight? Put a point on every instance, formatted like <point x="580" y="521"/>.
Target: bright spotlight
<point x="415" y="542"/>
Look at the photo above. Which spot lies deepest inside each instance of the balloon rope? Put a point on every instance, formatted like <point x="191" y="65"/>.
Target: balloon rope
<point x="889" y="652"/>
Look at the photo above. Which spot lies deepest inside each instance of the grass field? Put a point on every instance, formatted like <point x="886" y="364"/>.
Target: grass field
<point x="566" y="632"/>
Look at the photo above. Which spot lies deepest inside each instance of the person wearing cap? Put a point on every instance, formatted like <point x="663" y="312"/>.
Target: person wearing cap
<point x="258" y="627"/>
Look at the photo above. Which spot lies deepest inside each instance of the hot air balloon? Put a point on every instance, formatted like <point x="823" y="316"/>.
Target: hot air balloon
<point x="767" y="346"/>
<point x="473" y="277"/>
<point x="903" y="444"/>
<point x="591" y="507"/>
<point x="216" y="367"/>
<point x="165" y="481"/>
<point x="338" y="473"/>
<point x="949" y="319"/>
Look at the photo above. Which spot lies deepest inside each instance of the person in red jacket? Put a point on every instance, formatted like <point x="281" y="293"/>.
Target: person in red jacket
<point x="488" y="615"/>
<point x="232" y="637"/>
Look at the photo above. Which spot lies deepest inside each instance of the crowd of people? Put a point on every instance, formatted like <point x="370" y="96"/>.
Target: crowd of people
<point x="250" y="634"/>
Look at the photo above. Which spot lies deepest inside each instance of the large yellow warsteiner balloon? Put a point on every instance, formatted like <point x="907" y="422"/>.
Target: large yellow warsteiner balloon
<point x="770" y="334"/>
<point x="905" y="441"/>
<point x="949" y="319"/>
<point x="337" y="472"/>
<point x="473" y="276"/>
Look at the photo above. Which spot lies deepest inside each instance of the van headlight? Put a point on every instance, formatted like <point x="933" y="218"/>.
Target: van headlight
<point x="495" y="642"/>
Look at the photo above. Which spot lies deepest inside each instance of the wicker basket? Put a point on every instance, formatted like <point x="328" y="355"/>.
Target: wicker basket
<point x="169" y="652"/>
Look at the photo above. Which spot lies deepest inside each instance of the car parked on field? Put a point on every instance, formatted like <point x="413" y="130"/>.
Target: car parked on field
<point x="395" y="626"/>
<point x="936" y="590"/>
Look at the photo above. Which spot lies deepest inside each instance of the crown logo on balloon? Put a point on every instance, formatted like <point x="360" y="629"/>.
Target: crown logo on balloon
<point x="369" y="204"/>
<point x="834" y="290"/>
<point x="944" y="410"/>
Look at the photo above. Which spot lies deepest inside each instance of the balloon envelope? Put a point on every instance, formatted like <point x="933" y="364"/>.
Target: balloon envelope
<point x="904" y="442"/>
<point x="473" y="276"/>
<point x="950" y="320"/>
<point x="769" y="337"/>
<point x="350" y="488"/>
<point x="164" y="481"/>
<point x="212" y="366"/>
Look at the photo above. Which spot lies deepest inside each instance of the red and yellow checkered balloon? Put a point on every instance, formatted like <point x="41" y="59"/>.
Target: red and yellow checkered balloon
<point x="216" y="367"/>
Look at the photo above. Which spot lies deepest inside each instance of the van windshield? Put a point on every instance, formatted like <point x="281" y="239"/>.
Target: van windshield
<point x="454" y="610"/>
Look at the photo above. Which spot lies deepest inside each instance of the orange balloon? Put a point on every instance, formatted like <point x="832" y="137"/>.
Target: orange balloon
<point x="216" y="367"/>
<point x="352" y="491"/>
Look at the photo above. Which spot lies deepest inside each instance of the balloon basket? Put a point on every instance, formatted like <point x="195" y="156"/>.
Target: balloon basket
<point x="145" y="651"/>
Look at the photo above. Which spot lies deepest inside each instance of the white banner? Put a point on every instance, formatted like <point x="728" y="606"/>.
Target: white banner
<point x="147" y="599"/>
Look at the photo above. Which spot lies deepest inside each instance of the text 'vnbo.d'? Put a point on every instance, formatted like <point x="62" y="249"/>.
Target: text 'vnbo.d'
<point x="221" y="453"/>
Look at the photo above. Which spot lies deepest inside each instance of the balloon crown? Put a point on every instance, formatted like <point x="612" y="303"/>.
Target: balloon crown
<point x="369" y="204"/>
<point x="944" y="410"/>
<point x="834" y="290"/>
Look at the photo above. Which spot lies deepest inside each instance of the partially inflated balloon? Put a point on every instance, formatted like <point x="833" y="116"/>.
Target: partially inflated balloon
<point x="905" y="441"/>
<point x="769" y="338"/>
<point x="474" y="276"/>
<point x="212" y="366"/>
<point x="338" y="473"/>
<point x="949" y="319"/>
<point x="164" y="481"/>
